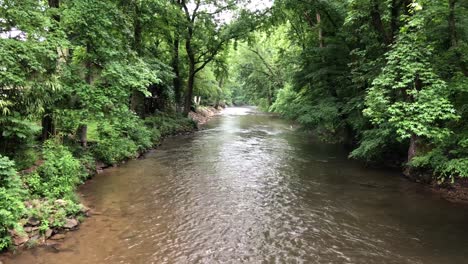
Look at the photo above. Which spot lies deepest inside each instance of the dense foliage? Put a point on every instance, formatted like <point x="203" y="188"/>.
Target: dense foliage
<point x="11" y="199"/>
<point x="59" y="174"/>
<point x="86" y="82"/>
<point x="387" y="77"/>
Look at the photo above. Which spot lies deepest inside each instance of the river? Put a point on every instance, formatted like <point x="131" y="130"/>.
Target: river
<point x="251" y="189"/>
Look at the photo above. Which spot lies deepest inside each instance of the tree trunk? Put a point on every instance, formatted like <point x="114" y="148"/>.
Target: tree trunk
<point x="189" y="95"/>
<point x="137" y="101"/>
<point x="175" y="67"/>
<point x="454" y="36"/>
<point x="413" y="147"/>
<point x="395" y="12"/>
<point x="218" y="95"/>
<point x="48" y="126"/>
<point x="407" y="6"/>
<point x="320" y="31"/>
<point x="137" y="30"/>
<point x="452" y="24"/>
<point x="378" y="24"/>
<point x="55" y="4"/>
<point x="269" y="97"/>
<point x="82" y="132"/>
<point x="192" y="71"/>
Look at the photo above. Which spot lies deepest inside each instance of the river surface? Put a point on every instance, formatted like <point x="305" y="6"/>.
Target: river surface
<point x="251" y="189"/>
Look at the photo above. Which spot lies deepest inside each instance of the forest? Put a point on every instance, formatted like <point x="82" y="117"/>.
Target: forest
<point x="103" y="81"/>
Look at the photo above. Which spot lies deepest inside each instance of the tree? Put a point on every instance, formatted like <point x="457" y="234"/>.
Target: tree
<point x="408" y="95"/>
<point x="205" y="38"/>
<point x="29" y="80"/>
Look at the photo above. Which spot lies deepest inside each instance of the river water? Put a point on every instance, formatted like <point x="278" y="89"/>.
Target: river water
<point x="251" y="189"/>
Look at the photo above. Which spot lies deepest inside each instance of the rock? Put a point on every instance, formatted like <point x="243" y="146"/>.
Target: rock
<point x="36" y="239"/>
<point x="101" y="165"/>
<point x="30" y="229"/>
<point x="60" y="202"/>
<point x="48" y="233"/>
<point x="19" y="240"/>
<point x="85" y="210"/>
<point x="33" y="234"/>
<point x="34" y="221"/>
<point x="71" y="223"/>
<point x="99" y="171"/>
<point x="57" y="237"/>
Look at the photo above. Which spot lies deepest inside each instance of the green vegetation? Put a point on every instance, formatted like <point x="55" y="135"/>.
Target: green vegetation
<point x="98" y="82"/>
<point x="58" y="176"/>
<point x="49" y="190"/>
<point x="86" y="82"/>
<point x="11" y="202"/>
<point x="387" y="77"/>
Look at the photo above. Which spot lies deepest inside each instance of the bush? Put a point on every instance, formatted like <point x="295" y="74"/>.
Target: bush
<point x="26" y="158"/>
<point x="11" y="200"/>
<point x="17" y="140"/>
<point x="125" y="135"/>
<point x="170" y="125"/>
<point x="136" y="131"/>
<point x="59" y="175"/>
<point x="318" y="112"/>
<point x="122" y="137"/>
<point x="379" y="145"/>
<point x="447" y="160"/>
<point x="113" y="150"/>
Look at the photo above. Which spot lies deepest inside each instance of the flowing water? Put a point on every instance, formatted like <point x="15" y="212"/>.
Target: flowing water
<point x="251" y="189"/>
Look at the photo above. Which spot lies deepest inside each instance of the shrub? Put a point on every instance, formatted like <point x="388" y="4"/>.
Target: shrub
<point x="17" y="140"/>
<point x="26" y="158"/>
<point x="379" y="145"/>
<point x="88" y="163"/>
<point x="11" y="200"/>
<point x="59" y="175"/>
<point x="169" y="125"/>
<point x="136" y="131"/>
<point x="447" y="160"/>
<point x="122" y="137"/>
<point x="113" y="150"/>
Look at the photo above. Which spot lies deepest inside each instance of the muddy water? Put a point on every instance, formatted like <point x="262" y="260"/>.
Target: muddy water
<point x="250" y="189"/>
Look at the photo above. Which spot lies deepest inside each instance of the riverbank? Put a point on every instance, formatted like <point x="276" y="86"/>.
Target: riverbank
<point x="455" y="192"/>
<point x="203" y="114"/>
<point x="46" y="221"/>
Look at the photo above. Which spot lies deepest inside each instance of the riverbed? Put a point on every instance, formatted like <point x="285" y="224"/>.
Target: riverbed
<point x="251" y="188"/>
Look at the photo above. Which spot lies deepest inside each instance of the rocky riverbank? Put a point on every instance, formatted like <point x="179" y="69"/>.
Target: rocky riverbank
<point x="35" y="233"/>
<point x="456" y="192"/>
<point x="204" y="114"/>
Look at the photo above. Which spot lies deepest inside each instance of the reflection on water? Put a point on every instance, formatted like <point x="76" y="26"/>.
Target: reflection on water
<point x="250" y="189"/>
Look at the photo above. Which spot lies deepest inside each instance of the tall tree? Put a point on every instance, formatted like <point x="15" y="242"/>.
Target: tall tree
<point x="205" y="38"/>
<point x="408" y="95"/>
